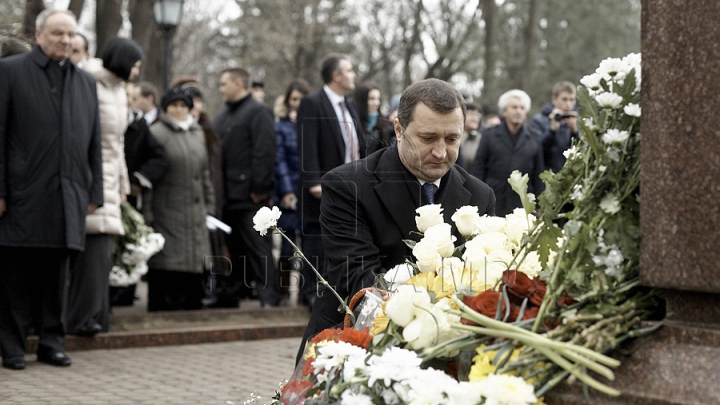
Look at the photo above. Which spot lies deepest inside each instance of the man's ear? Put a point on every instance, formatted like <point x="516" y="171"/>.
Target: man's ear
<point x="398" y="129"/>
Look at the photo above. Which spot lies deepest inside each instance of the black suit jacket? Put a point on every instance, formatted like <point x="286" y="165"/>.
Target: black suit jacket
<point x="496" y="159"/>
<point x="321" y="146"/>
<point x="368" y="208"/>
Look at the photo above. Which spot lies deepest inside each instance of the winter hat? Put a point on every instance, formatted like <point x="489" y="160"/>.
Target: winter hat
<point x="120" y="55"/>
<point x="177" y="93"/>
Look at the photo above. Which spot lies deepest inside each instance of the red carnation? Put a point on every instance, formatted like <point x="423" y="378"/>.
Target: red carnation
<point x="356" y="337"/>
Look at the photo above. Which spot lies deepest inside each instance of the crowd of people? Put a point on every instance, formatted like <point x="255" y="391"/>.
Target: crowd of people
<point x="79" y="137"/>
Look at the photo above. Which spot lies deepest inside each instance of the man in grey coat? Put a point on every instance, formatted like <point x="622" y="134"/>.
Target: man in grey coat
<point x="50" y="178"/>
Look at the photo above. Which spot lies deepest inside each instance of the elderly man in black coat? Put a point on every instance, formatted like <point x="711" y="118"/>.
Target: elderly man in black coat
<point x="507" y="147"/>
<point x="50" y="177"/>
<point x="368" y="206"/>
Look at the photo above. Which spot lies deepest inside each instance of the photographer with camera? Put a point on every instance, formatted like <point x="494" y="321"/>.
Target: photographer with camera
<point x="556" y="125"/>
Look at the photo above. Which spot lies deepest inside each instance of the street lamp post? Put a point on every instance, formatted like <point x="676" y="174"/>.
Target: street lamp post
<point x="167" y="15"/>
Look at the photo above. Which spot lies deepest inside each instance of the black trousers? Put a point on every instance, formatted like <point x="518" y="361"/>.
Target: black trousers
<point x="88" y="295"/>
<point x="252" y="260"/>
<point x="313" y="250"/>
<point x="33" y="287"/>
<point x="174" y="290"/>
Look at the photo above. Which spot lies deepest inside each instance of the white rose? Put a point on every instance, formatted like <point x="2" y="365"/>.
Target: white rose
<point x="491" y="224"/>
<point x="615" y="136"/>
<point x="517" y="224"/>
<point x="265" y="219"/>
<point x="632" y="110"/>
<point x="441" y="236"/>
<point x="488" y="242"/>
<point x="429" y="215"/>
<point x="609" y="100"/>
<point x="465" y="219"/>
<point x="428" y="258"/>
<point x="398" y="275"/>
<point x="406" y="303"/>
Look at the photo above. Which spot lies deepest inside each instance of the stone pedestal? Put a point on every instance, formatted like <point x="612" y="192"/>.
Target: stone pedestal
<point x="680" y="214"/>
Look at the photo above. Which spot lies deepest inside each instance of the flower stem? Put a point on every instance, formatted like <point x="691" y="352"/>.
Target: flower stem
<point x="322" y="281"/>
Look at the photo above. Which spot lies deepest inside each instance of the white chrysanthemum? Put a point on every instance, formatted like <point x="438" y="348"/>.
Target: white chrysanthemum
<point x="632" y="110"/>
<point x="398" y="275"/>
<point x="592" y="82"/>
<point x="577" y="193"/>
<point x="507" y="390"/>
<point x="428" y="215"/>
<point x="531" y="264"/>
<point x="265" y="219"/>
<point x="633" y="60"/>
<point x="465" y="393"/>
<point x="351" y="398"/>
<point x="571" y="152"/>
<point x="609" y="100"/>
<point x="602" y="168"/>
<point x="488" y="243"/>
<point x="613" y="69"/>
<point x="610" y="204"/>
<point x="590" y="124"/>
<point x="465" y="219"/>
<point x="404" y="306"/>
<point x="392" y="365"/>
<point x="333" y="354"/>
<point x="615" y="136"/>
<point x="428" y="387"/>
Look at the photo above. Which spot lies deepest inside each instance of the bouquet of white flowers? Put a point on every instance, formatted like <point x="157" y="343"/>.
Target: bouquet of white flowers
<point x="132" y="250"/>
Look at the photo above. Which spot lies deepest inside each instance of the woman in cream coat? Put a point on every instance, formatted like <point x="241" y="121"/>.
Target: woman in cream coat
<point x="88" y="298"/>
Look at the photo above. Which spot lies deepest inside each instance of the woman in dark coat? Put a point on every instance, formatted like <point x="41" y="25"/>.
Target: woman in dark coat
<point x="181" y="201"/>
<point x="378" y="128"/>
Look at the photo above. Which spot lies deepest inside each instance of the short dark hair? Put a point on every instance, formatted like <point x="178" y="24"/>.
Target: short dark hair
<point x="85" y="48"/>
<point x="147" y="89"/>
<point x="438" y="95"/>
<point x="330" y="65"/>
<point x="472" y="107"/>
<point x="239" y="73"/>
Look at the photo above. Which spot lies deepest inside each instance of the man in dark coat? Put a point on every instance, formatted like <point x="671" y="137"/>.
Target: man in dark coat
<point x="507" y="147"/>
<point x="247" y="134"/>
<point x="329" y="135"/>
<point x="368" y="206"/>
<point x="50" y="178"/>
<point x="556" y="125"/>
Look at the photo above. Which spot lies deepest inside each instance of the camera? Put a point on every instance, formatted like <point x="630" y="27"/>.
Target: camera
<point x="560" y="117"/>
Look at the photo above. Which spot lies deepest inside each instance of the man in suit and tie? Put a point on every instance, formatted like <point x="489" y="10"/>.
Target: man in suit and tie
<point x="329" y="135"/>
<point x="368" y="207"/>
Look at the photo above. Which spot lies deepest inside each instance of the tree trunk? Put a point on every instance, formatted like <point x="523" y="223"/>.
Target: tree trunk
<point x="146" y="33"/>
<point x="107" y="22"/>
<point x="410" y="46"/>
<point x="489" y="13"/>
<point x="32" y="9"/>
<point x="530" y="42"/>
<point x="76" y="6"/>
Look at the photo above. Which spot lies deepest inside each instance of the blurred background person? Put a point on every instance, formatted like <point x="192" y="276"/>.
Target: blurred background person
<point x="490" y="118"/>
<point x="378" y="129"/>
<point x="144" y="97"/>
<point x="181" y="200"/>
<point x="146" y="162"/>
<point x="258" y="91"/>
<point x="88" y="296"/>
<point x="80" y="52"/>
<point x="471" y="136"/>
<point x="507" y="147"/>
<point x="287" y="177"/>
<point x="556" y="125"/>
<point x="221" y="261"/>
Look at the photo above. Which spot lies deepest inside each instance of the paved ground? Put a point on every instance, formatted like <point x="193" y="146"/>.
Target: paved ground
<point x="213" y="373"/>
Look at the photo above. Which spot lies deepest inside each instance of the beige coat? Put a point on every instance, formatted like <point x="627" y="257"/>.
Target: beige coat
<point x="112" y="101"/>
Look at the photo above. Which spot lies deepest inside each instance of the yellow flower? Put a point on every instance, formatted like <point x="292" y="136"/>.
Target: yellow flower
<point x="482" y="363"/>
<point x="381" y="321"/>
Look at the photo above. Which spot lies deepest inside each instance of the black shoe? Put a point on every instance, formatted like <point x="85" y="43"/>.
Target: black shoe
<point x="59" y="359"/>
<point x="14" y="363"/>
<point x="89" y="331"/>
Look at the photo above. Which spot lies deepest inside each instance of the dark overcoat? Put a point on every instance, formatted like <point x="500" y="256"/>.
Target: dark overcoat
<point x="321" y="146"/>
<point x="497" y="158"/>
<point x="247" y="134"/>
<point x="50" y="153"/>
